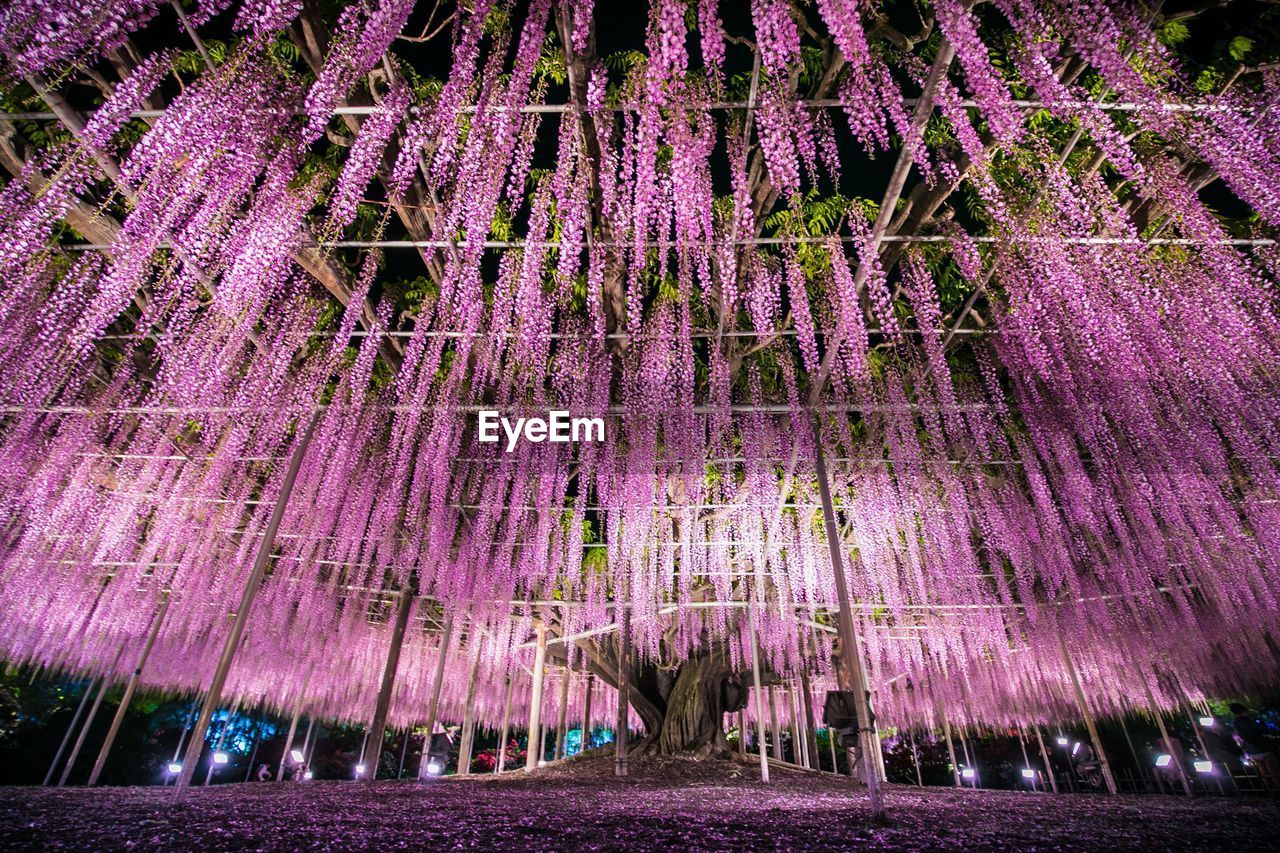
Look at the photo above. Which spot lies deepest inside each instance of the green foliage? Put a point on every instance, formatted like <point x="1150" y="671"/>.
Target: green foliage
<point x="1172" y="33"/>
<point x="551" y="64"/>
<point x="1239" y="48"/>
<point x="191" y="62"/>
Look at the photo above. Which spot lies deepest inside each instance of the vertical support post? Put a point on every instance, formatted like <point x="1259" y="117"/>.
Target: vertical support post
<point x="915" y="759"/>
<point x="742" y="732"/>
<point x="810" y="736"/>
<point x="1048" y="767"/>
<point x="801" y="738"/>
<point x="1107" y="776"/>
<point x="66" y="739"/>
<point x="257" y="741"/>
<point x="382" y="706"/>
<point x="404" y="751"/>
<point x="129" y="689"/>
<point x="252" y="584"/>
<point x="446" y="637"/>
<point x="562" y="722"/>
<point x="951" y="747"/>
<point x="1164" y="736"/>
<point x="1133" y="751"/>
<point x="775" y="731"/>
<point x="222" y="737"/>
<point x="1026" y="761"/>
<point x="533" y="754"/>
<point x="759" y="693"/>
<point x="469" y="721"/>
<point x="506" y="728"/>
<point x="288" y="741"/>
<point x="969" y="762"/>
<point x="586" y="714"/>
<point x="88" y="722"/>
<point x="1204" y="748"/>
<point x="849" y="670"/>
<point x="620" y="734"/>
<point x="831" y="744"/>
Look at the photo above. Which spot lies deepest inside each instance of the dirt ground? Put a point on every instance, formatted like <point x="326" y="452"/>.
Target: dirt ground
<point x="665" y="803"/>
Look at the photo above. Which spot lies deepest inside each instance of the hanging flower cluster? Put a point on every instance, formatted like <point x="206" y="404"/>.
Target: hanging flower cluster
<point x="1094" y="473"/>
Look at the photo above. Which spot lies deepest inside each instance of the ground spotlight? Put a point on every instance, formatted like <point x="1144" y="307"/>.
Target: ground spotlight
<point x="175" y="768"/>
<point x="221" y="758"/>
<point x="296" y="755"/>
<point x="1075" y="749"/>
<point x="1203" y="766"/>
<point x="1207" y="722"/>
<point x="968" y="773"/>
<point x="1063" y="741"/>
<point x="1163" y="760"/>
<point x="434" y="769"/>
<point x="359" y="769"/>
<point x="1028" y="773"/>
<point x="307" y="775"/>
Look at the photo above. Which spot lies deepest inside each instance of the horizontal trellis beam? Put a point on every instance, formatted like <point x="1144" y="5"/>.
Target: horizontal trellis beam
<point x="610" y="412"/>
<point x="754" y="241"/>
<point x="812" y="103"/>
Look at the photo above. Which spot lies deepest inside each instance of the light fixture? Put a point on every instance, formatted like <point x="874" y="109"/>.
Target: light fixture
<point x="434" y="769"/>
<point x="296" y="755"/>
<point x="359" y="769"/>
<point x="1207" y="722"/>
<point x="175" y="767"/>
<point x="1063" y="741"/>
<point x="1163" y="760"/>
<point x="221" y="758"/>
<point x="968" y="773"/>
<point x="1028" y="773"/>
<point x="1203" y="766"/>
<point x="306" y="775"/>
<point x="1075" y="749"/>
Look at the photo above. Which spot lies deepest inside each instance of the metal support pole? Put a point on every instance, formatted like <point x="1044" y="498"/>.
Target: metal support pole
<point x="915" y="758"/>
<point x="1026" y="761"/>
<point x="288" y="741"/>
<point x="434" y="708"/>
<point x="1164" y="735"/>
<point x="775" y="731"/>
<point x="831" y="744"/>
<point x="742" y="733"/>
<point x="404" y="751"/>
<point x="951" y="747"/>
<point x="968" y="760"/>
<point x="467" y="745"/>
<point x="620" y="734"/>
<point x="1133" y="750"/>
<point x="251" y="587"/>
<point x="129" y="689"/>
<point x="586" y="714"/>
<point x="533" y="753"/>
<point x="849" y="671"/>
<point x="506" y="729"/>
<point x="1048" y="766"/>
<point x="562" y="722"/>
<point x="1204" y="749"/>
<point x="1107" y="776"/>
<point x="222" y="737"/>
<point x="88" y="723"/>
<point x="382" y="706"/>
<point x="253" y="755"/>
<point x="811" y="737"/>
<point x="307" y="746"/>
<point x="66" y="739"/>
<point x="759" y="693"/>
